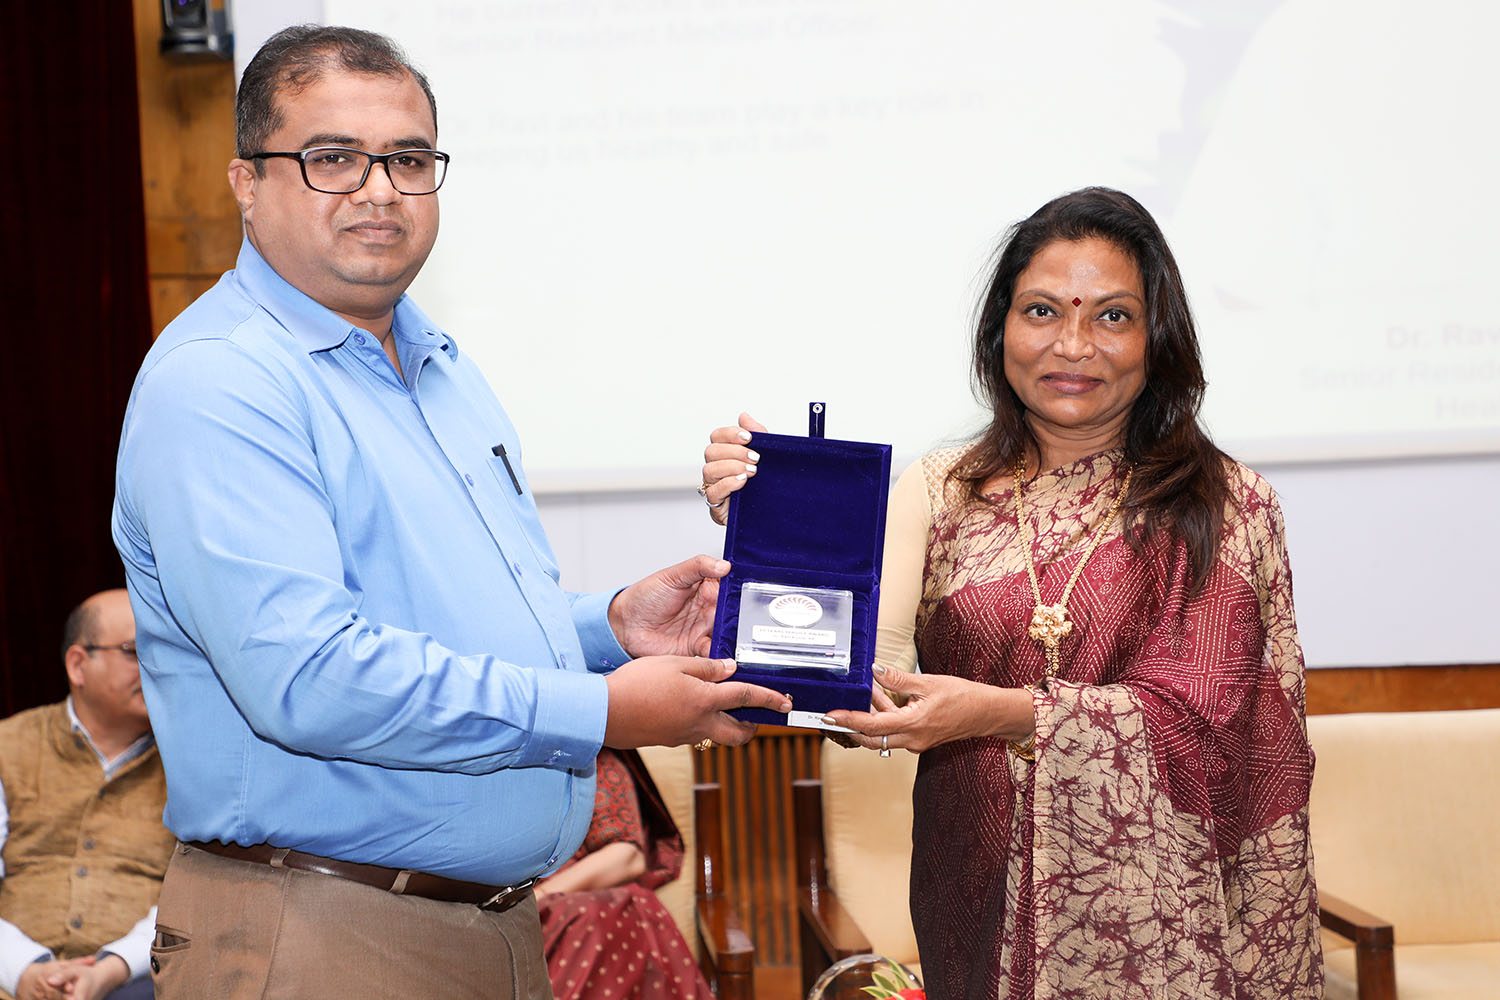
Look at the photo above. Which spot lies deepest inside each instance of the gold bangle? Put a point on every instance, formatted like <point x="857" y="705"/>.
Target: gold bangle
<point x="1026" y="749"/>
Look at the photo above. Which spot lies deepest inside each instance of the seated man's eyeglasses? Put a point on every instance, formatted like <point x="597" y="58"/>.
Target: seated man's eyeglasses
<point x="127" y="648"/>
<point x="341" y="170"/>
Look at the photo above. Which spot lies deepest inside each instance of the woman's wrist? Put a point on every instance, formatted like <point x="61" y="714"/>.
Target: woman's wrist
<point x="1007" y="712"/>
<point x="1020" y="715"/>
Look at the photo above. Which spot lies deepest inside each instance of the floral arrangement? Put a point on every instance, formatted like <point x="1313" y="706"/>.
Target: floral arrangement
<point x="893" y="981"/>
<point x="888" y="985"/>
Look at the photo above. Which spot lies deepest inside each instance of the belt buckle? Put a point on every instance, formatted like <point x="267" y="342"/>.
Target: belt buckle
<point x="507" y="897"/>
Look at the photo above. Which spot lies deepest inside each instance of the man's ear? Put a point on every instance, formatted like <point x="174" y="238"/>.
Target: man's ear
<point x="73" y="662"/>
<point x="242" y="178"/>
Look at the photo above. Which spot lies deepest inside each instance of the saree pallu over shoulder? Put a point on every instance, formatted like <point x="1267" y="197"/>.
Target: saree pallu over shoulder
<point x="1158" y="844"/>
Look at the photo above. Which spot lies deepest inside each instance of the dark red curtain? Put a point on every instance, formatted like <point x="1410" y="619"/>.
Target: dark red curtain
<point x="75" y="314"/>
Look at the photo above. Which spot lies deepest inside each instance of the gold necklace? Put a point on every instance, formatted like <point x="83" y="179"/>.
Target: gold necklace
<point x="1049" y="622"/>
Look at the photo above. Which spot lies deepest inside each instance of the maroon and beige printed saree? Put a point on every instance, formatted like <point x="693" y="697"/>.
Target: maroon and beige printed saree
<point x="1158" y="844"/>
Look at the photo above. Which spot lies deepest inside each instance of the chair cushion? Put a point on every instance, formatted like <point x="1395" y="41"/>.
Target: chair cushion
<point x="867" y="816"/>
<point x="1427" y="972"/>
<point x="672" y="770"/>
<point x="1405" y="806"/>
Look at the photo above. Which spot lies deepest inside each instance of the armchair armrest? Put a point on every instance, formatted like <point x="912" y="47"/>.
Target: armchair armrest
<point x="826" y="932"/>
<point x="1374" y="945"/>
<point x="832" y="930"/>
<point x="728" y="953"/>
<point x="724" y="938"/>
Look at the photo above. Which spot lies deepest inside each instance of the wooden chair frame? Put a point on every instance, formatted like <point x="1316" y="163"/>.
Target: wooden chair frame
<point x="726" y="955"/>
<point x="1374" y="945"/>
<point x="826" y="931"/>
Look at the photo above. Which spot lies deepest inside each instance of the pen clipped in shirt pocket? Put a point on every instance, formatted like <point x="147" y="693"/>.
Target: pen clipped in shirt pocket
<point x="504" y="471"/>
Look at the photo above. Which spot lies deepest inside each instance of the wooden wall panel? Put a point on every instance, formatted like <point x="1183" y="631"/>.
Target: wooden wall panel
<point x="1402" y="689"/>
<point x="187" y="141"/>
<point x="170" y="295"/>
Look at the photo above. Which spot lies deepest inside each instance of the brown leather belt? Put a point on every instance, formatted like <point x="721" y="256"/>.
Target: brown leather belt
<point x="402" y="882"/>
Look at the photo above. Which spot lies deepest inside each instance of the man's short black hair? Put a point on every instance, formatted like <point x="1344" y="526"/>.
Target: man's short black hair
<point x="79" y="626"/>
<point x="297" y="57"/>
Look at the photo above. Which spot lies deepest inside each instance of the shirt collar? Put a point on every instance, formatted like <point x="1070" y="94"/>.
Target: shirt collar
<point x="130" y="753"/>
<point x="315" y="326"/>
<point x="412" y="325"/>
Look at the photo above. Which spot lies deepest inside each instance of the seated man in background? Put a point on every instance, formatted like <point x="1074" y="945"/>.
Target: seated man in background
<point x="82" y="846"/>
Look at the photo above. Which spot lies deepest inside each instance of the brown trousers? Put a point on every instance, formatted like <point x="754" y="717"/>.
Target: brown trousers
<point x="235" y="930"/>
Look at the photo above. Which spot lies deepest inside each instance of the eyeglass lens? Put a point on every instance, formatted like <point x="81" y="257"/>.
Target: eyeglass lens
<point x="127" y="648"/>
<point x="335" y="170"/>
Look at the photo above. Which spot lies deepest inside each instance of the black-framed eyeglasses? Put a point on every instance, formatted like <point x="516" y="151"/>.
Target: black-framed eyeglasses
<point x="341" y="170"/>
<point x="128" y="648"/>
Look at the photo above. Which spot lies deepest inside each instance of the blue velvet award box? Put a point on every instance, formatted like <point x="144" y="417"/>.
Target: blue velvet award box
<point x="809" y="525"/>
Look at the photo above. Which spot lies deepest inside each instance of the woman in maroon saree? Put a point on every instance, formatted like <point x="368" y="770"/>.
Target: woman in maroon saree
<point x="1112" y="795"/>
<point x="605" y="933"/>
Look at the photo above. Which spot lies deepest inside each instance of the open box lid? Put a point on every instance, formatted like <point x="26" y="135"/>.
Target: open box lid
<point x="816" y="507"/>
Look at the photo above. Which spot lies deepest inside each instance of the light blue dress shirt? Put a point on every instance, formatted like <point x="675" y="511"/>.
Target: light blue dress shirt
<point x="351" y="634"/>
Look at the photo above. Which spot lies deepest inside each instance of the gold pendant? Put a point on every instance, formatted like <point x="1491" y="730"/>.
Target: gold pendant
<point x="1050" y="625"/>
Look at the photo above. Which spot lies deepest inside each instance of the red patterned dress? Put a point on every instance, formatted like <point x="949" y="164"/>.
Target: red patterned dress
<point x="621" y="943"/>
<point x="1158" y="844"/>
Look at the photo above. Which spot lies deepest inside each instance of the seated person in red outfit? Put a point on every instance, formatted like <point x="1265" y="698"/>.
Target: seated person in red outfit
<point x="603" y="927"/>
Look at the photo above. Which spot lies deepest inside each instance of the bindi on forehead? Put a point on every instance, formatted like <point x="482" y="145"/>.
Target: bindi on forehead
<point x="1077" y="301"/>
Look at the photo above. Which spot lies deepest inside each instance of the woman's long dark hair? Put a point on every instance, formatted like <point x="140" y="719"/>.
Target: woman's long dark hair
<point x="1179" y="484"/>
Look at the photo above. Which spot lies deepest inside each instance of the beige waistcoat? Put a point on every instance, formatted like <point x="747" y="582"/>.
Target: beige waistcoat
<point x="84" y="858"/>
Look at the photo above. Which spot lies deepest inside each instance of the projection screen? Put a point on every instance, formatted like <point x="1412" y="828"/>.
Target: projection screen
<point x="661" y="212"/>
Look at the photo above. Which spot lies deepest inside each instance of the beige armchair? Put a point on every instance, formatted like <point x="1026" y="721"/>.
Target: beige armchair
<point x="1406" y="842"/>
<point x="696" y="900"/>
<point x="854" y="858"/>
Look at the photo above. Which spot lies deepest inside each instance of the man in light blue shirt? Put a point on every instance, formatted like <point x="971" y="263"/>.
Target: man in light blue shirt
<point x="352" y="638"/>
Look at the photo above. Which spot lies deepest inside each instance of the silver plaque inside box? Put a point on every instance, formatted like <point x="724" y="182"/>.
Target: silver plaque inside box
<point x="784" y="626"/>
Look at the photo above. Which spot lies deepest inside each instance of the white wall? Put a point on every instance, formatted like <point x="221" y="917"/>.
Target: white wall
<point x="1394" y="562"/>
<point x="253" y="21"/>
